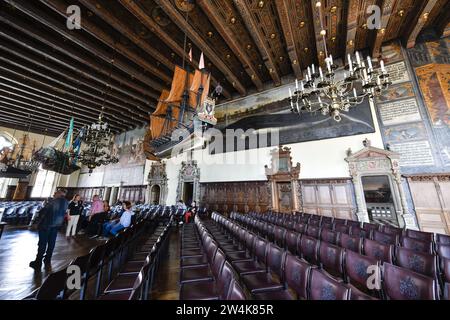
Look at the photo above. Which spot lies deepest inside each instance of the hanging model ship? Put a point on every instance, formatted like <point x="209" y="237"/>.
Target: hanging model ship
<point x="178" y="109"/>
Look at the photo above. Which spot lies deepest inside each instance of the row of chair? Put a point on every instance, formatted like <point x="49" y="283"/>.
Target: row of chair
<point x="19" y="212"/>
<point x="105" y="262"/>
<point x="345" y="266"/>
<point x="413" y="254"/>
<point x="205" y="273"/>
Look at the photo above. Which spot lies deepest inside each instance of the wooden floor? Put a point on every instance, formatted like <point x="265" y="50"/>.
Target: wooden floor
<point x="166" y="285"/>
<point x="18" y="247"/>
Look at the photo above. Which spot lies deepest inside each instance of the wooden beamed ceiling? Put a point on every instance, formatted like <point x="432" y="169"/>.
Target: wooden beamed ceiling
<point x="124" y="54"/>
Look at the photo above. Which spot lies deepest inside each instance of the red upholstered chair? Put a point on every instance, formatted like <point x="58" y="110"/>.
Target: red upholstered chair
<point x="392" y="230"/>
<point x="327" y="220"/>
<point x="338" y="221"/>
<point x="329" y="236"/>
<point x="308" y="249"/>
<point x="331" y="259"/>
<point x="323" y="287"/>
<point x="313" y="231"/>
<point x="417" y="245"/>
<point x="447" y="291"/>
<point x="403" y="284"/>
<point x="300" y="227"/>
<point x="442" y="239"/>
<point x="446" y="264"/>
<point x="270" y="280"/>
<point x="423" y="263"/>
<point x="420" y="235"/>
<point x="292" y="239"/>
<point x="385" y="238"/>
<point x="353" y="223"/>
<point x="357" y="269"/>
<point x="327" y="226"/>
<point x="360" y="232"/>
<point x="280" y="236"/>
<point x="350" y="242"/>
<point x="53" y="287"/>
<point x="212" y="290"/>
<point x="235" y="292"/>
<point x="296" y="275"/>
<point x="370" y="227"/>
<point x="342" y="228"/>
<point x="379" y="251"/>
<point x="259" y="261"/>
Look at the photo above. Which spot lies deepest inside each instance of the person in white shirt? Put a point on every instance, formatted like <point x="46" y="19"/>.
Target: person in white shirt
<point x="113" y="227"/>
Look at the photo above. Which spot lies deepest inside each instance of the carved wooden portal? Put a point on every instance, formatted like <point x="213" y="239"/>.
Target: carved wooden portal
<point x="157" y="183"/>
<point x="372" y="161"/>
<point x="189" y="173"/>
<point x="283" y="181"/>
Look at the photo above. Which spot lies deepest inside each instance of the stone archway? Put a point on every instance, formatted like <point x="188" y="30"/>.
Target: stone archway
<point x="375" y="162"/>
<point x="155" y="194"/>
<point x="157" y="177"/>
<point x="189" y="173"/>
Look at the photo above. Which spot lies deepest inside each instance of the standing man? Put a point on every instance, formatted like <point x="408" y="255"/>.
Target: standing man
<point x="51" y="219"/>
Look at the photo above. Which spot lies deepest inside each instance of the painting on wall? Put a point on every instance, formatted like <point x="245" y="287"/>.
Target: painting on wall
<point x="403" y="90"/>
<point x="128" y="147"/>
<point x="405" y="132"/>
<point x="434" y="82"/>
<point x="269" y="112"/>
<point x="392" y="52"/>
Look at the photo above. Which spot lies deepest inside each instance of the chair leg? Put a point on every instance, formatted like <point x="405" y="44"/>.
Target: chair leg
<point x="98" y="282"/>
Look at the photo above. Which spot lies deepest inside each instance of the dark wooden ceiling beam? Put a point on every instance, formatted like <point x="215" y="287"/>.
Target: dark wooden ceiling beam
<point x="84" y="43"/>
<point x="353" y="9"/>
<point x="418" y="23"/>
<point x="387" y="9"/>
<point x="77" y="85"/>
<point x="135" y="9"/>
<point x="126" y="31"/>
<point x="221" y="25"/>
<point x="51" y="82"/>
<point x="178" y="19"/>
<point x="13" y="123"/>
<point x="285" y="9"/>
<point x="320" y="46"/>
<point x="30" y="105"/>
<point x="61" y="7"/>
<point x="66" y="51"/>
<point x="252" y="27"/>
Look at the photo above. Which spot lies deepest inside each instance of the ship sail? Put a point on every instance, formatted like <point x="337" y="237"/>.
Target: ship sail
<point x="176" y="107"/>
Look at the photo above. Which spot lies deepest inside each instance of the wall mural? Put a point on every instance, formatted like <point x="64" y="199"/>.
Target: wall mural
<point x="270" y="110"/>
<point x="129" y="148"/>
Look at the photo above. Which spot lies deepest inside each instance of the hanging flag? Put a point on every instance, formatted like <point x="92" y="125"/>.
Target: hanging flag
<point x="201" y="64"/>
<point x="69" y="136"/>
<point x="190" y="55"/>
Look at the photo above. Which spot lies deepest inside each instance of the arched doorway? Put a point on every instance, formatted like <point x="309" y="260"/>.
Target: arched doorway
<point x="155" y="194"/>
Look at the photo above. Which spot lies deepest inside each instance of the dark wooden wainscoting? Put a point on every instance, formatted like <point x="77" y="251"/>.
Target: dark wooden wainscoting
<point x="132" y="193"/>
<point x="235" y="196"/>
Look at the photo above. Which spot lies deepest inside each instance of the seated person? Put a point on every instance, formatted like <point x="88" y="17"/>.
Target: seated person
<point x="114" y="226"/>
<point x="96" y="221"/>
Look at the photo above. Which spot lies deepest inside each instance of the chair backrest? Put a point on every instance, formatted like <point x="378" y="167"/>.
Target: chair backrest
<point x="331" y="258"/>
<point x="314" y="223"/>
<point x="342" y="228"/>
<point x="379" y="251"/>
<point x="260" y="249"/>
<point x="53" y="286"/>
<point x="353" y="223"/>
<point x="350" y="242"/>
<point x="417" y="245"/>
<point x="211" y="250"/>
<point x="292" y="238"/>
<point x="447" y="291"/>
<point x="322" y="287"/>
<point x="313" y="231"/>
<point x="327" y="226"/>
<point x="296" y="275"/>
<point x="275" y="259"/>
<point x="442" y="239"/>
<point x="329" y="236"/>
<point x="338" y="221"/>
<point x="423" y="263"/>
<point x="392" y="230"/>
<point x="250" y="242"/>
<point x="446" y="269"/>
<point x="327" y="220"/>
<point x="357" y="269"/>
<point x="96" y="258"/>
<point x="385" y="238"/>
<point x="235" y="291"/>
<point x="300" y="227"/>
<point x="420" y="235"/>
<point x="82" y="262"/>
<point x="309" y="248"/>
<point x="371" y="227"/>
<point x="360" y="232"/>
<point x="280" y="234"/>
<point x="403" y="284"/>
<point x="224" y="278"/>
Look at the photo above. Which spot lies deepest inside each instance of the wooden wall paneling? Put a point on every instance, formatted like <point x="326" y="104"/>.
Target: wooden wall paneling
<point x="433" y="206"/>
